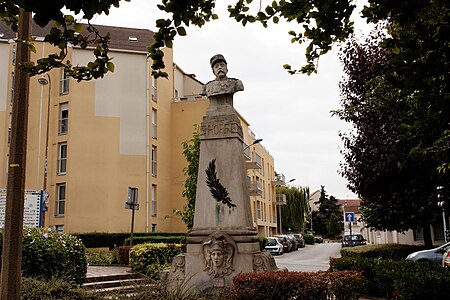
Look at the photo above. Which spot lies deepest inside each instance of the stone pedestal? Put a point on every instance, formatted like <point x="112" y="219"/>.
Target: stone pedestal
<point x="223" y="241"/>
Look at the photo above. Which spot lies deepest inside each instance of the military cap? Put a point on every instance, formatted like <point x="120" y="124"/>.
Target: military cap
<point x="217" y="58"/>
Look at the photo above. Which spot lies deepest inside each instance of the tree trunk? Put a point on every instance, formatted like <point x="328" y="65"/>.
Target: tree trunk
<point x="12" y="232"/>
<point x="427" y="236"/>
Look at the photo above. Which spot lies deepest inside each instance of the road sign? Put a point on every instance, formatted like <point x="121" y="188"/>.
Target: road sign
<point x="349" y="217"/>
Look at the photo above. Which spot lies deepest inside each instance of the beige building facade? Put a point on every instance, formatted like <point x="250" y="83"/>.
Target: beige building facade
<point x="98" y="138"/>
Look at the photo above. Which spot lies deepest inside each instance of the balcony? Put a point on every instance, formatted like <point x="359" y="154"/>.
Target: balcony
<point x="252" y="165"/>
<point x="281" y="199"/>
<point x="279" y="179"/>
<point x="254" y="188"/>
<point x="246" y="152"/>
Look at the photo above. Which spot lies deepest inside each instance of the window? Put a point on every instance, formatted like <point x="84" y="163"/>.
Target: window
<point x="153" y="227"/>
<point x="64" y="82"/>
<point x="60" y="199"/>
<point x="418" y="234"/>
<point x="59" y="228"/>
<point x="63" y="126"/>
<point x="153" y="161"/>
<point x="62" y="158"/>
<point x="154" y="206"/>
<point x="13" y="56"/>
<point x="154" y="123"/>
<point x="438" y="230"/>
<point x="153" y="89"/>
<point x="11" y="94"/>
<point x="258" y="209"/>
<point x="9" y="128"/>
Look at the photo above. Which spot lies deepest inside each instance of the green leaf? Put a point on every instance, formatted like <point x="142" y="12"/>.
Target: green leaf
<point x="181" y="31"/>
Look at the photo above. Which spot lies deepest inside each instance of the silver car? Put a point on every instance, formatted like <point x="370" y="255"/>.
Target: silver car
<point x="274" y="246"/>
<point x="432" y="255"/>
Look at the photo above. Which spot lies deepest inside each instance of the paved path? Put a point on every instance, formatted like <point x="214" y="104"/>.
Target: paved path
<point x="98" y="271"/>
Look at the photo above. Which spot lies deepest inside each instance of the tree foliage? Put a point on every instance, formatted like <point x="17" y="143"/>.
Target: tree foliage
<point x="191" y="151"/>
<point x="293" y="213"/>
<point x="321" y="23"/>
<point x="327" y="221"/>
<point x="396" y="96"/>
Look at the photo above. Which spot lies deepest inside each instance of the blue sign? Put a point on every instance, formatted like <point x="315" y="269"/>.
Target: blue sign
<point x="349" y="217"/>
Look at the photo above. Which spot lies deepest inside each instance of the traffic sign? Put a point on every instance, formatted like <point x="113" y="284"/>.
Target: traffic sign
<point x="349" y="217"/>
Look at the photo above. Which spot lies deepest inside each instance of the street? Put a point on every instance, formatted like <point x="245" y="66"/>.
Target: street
<point x="309" y="259"/>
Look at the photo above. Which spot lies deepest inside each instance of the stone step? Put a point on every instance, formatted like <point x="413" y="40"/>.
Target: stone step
<point x="114" y="283"/>
<point x="111" y="277"/>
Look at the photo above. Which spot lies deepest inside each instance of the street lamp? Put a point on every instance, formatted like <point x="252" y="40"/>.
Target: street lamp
<point x="441" y="204"/>
<point x="44" y="81"/>
<point x="257" y="141"/>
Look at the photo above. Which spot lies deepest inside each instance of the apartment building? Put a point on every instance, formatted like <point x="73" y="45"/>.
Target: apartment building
<point x="88" y="142"/>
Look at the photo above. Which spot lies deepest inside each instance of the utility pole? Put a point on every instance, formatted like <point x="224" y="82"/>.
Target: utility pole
<point x="13" y="230"/>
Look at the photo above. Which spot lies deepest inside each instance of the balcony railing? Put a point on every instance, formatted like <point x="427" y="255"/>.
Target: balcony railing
<point x="281" y="199"/>
<point x="279" y="180"/>
<point x="255" y="188"/>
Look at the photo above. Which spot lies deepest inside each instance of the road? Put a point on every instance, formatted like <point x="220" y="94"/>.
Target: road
<point x="312" y="258"/>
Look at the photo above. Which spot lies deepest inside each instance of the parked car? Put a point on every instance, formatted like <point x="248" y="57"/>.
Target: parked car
<point x="287" y="245"/>
<point x="356" y="240"/>
<point x="274" y="246"/>
<point x="434" y="255"/>
<point x="294" y="242"/>
<point x="318" y="240"/>
<point x="446" y="259"/>
<point x="300" y="240"/>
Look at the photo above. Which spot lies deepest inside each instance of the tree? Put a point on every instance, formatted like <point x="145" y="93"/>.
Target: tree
<point x="191" y="151"/>
<point x="293" y="213"/>
<point x="396" y="95"/>
<point x="328" y="219"/>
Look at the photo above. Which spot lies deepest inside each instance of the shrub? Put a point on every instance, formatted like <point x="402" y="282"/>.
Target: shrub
<point x="111" y="240"/>
<point x="402" y="279"/>
<point x="55" y="288"/>
<point x="262" y="242"/>
<point x="100" y="256"/>
<point x="146" y="258"/>
<point x="309" y="239"/>
<point x="387" y="251"/>
<point x="48" y="254"/>
<point x="297" y="285"/>
<point x="174" y="239"/>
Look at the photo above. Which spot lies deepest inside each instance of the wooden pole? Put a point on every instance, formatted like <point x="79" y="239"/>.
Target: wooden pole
<point x="13" y="230"/>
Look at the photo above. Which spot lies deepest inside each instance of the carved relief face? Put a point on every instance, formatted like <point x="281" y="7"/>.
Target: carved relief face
<point x="217" y="258"/>
<point x="220" y="70"/>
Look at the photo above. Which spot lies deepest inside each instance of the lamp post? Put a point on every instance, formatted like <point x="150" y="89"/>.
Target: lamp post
<point x="44" y="81"/>
<point x="441" y="204"/>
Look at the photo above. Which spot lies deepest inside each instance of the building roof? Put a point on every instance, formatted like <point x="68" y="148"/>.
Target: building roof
<point x="351" y="205"/>
<point x="122" y="38"/>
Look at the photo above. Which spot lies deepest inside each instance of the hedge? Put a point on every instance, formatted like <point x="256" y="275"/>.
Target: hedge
<point x="47" y="254"/>
<point x="398" y="279"/>
<point x="298" y="285"/>
<point x="172" y="239"/>
<point x="150" y="259"/>
<point x="387" y="251"/>
<point x="111" y="240"/>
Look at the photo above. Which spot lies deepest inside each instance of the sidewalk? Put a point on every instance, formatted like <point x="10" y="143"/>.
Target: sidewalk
<point x="100" y="271"/>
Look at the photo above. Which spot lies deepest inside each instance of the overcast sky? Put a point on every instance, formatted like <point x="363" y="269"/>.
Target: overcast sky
<point x="290" y="113"/>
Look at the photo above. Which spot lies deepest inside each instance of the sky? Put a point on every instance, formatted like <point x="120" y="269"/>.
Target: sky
<point x="291" y="113"/>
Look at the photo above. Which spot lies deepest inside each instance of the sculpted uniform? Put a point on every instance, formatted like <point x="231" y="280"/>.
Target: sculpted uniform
<point x="220" y="87"/>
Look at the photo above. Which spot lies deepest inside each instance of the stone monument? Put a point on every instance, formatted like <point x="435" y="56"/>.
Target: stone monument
<point x="223" y="241"/>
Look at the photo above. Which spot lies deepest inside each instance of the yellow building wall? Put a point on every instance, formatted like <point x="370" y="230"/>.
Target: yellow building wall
<point x="110" y="142"/>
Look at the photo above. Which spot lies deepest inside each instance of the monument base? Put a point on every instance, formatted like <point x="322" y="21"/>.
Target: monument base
<point x="194" y="273"/>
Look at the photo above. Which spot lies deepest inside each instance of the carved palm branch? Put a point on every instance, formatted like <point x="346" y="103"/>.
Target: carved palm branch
<point x="218" y="191"/>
